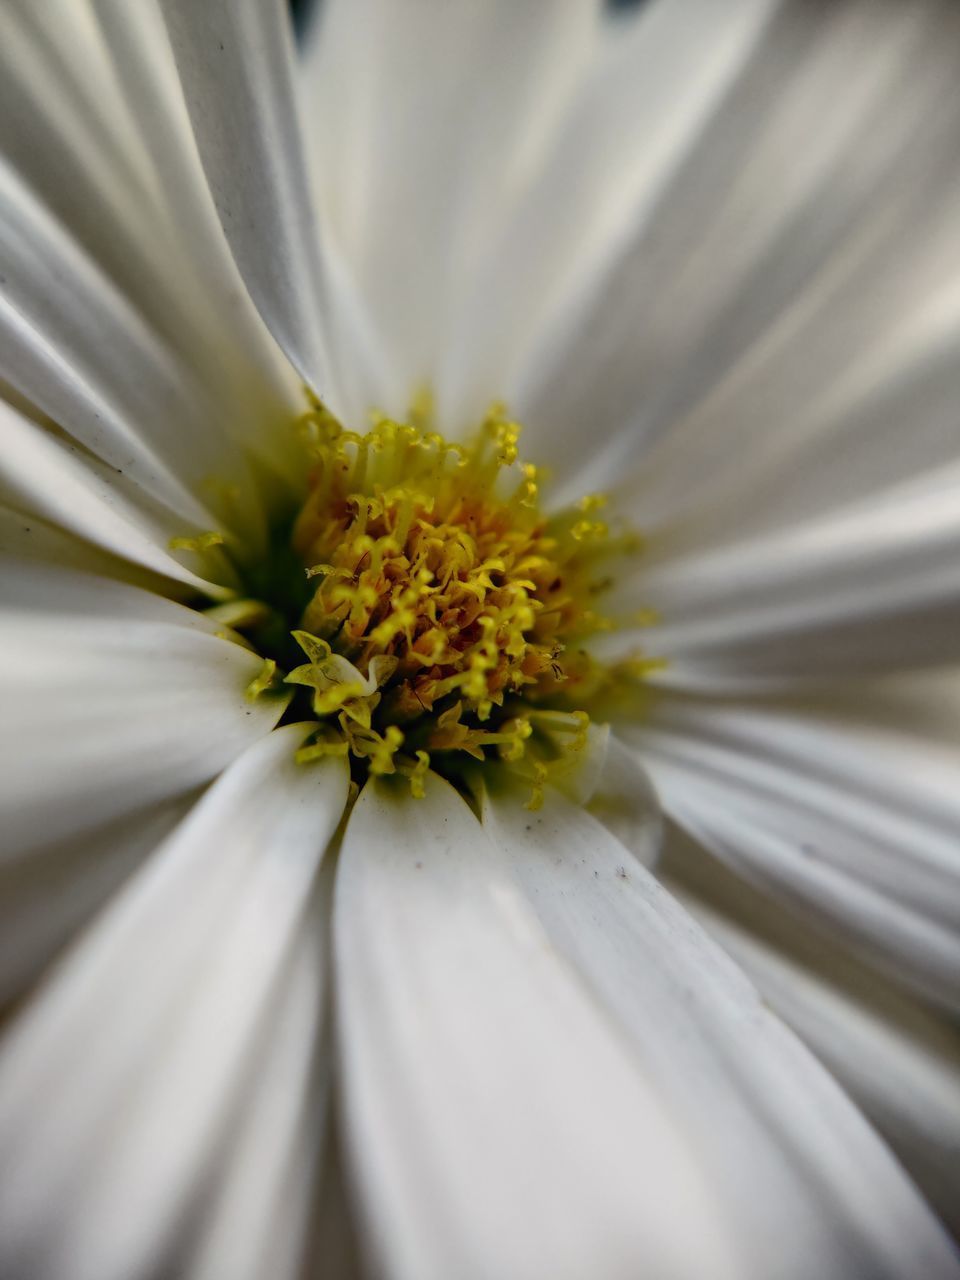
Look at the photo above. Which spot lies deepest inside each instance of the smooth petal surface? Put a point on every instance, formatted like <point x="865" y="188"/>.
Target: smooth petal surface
<point x="496" y="1122"/>
<point x="26" y="537"/>
<point x="606" y="777"/>
<point x="814" y="423"/>
<point x="425" y="124"/>
<point x="846" y="809"/>
<point x="49" y="893"/>
<point x="807" y="1187"/>
<point x="805" y="224"/>
<point x="150" y="1046"/>
<point x="898" y="1059"/>
<point x="65" y="131"/>
<point x="235" y="64"/>
<point x="907" y="1084"/>
<point x="95" y="125"/>
<point x="74" y="346"/>
<point x="258" y="1222"/>
<point x="260" y="393"/>
<point x="44" y="476"/>
<point x="648" y="95"/>
<point x="334" y="1247"/>
<point x="113" y="699"/>
<point x="867" y="589"/>
<point x="626" y="803"/>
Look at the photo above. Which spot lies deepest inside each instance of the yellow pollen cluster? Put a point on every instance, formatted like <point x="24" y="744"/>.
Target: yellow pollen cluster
<point x="449" y="613"/>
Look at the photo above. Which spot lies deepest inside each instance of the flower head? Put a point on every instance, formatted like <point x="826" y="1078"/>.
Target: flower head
<point x="434" y="850"/>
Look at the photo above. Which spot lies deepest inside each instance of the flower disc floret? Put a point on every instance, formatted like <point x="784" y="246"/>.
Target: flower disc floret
<point x="449" y="613"/>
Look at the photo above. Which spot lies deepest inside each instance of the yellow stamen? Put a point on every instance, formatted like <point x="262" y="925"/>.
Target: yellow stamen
<point x="264" y="681"/>
<point x="200" y="542"/>
<point x="449" y="617"/>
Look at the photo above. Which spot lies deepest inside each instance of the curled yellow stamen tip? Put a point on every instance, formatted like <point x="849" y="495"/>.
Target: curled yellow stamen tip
<point x="416" y="775"/>
<point x="321" y="748"/>
<point x="513" y="738"/>
<point x="582" y="722"/>
<point x="199" y="542"/>
<point x="240" y="614"/>
<point x="536" y="798"/>
<point x="586" y="529"/>
<point x="592" y="502"/>
<point x="383" y="751"/>
<point x="639" y="668"/>
<point x="264" y="681"/>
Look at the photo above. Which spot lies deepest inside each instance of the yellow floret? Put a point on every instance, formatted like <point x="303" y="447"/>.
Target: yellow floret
<point x="448" y="611"/>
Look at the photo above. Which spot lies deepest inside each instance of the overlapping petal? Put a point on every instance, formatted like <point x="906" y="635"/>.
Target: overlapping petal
<point x="805" y="220"/>
<point x="454" y="1119"/>
<point x="802" y="1181"/>
<point x="235" y="65"/>
<point x="844" y="808"/>
<point x="240" y="359"/>
<point x="557" y="272"/>
<point x="45" y="477"/>
<point x="425" y="125"/>
<point x="259" y="1218"/>
<point x="75" y="347"/>
<point x="495" y="1120"/>
<point x="865" y="589"/>
<point x="48" y="894"/>
<point x="184" y="1025"/>
<point x="898" y="1059"/>
<point x="113" y="699"/>
<point x="65" y="132"/>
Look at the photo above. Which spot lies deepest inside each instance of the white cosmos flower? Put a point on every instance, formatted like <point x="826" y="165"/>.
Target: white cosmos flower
<point x="709" y="257"/>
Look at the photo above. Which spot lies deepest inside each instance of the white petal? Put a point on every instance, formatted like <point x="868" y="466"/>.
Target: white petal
<point x="606" y="778"/>
<point x="846" y="810"/>
<point x="75" y="347"/>
<point x="899" y="1061"/>
<point x="810" y="210"/>
<point x="93" y="119"/>
<point x="45" y="477"/>
<point x="828" y="316"/>
<point x="119" y="1083"/>
<point x="48" y="893"/>
<point x="257" y="1223"/>
<point x="425" y="124"/>
<point x="64" y="130"/>
<point x="797" y="447"/>
<point x="496" y="1121"/>
<point x="239" y="356"/>
<point x="334" y="1248"/>
<point x="72" y="126"/>
<point x="874" y="587"/>
<point x="28" y="538"/>
<point x="626" y="803"/>
<point x="112" y="699"/>
<point x="620" y="146"/>
<point x="234" y="60"/>
<point x="910" y="1090"/>
<point x="807" y="1186"/>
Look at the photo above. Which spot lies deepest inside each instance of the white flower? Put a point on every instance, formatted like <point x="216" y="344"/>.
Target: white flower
<point x="709" y="258"/>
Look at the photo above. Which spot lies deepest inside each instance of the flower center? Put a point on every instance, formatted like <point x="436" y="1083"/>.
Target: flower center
<point x="448" y="616"/>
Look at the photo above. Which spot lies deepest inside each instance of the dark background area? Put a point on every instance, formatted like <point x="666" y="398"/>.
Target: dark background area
<point x="303" y="10"/>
